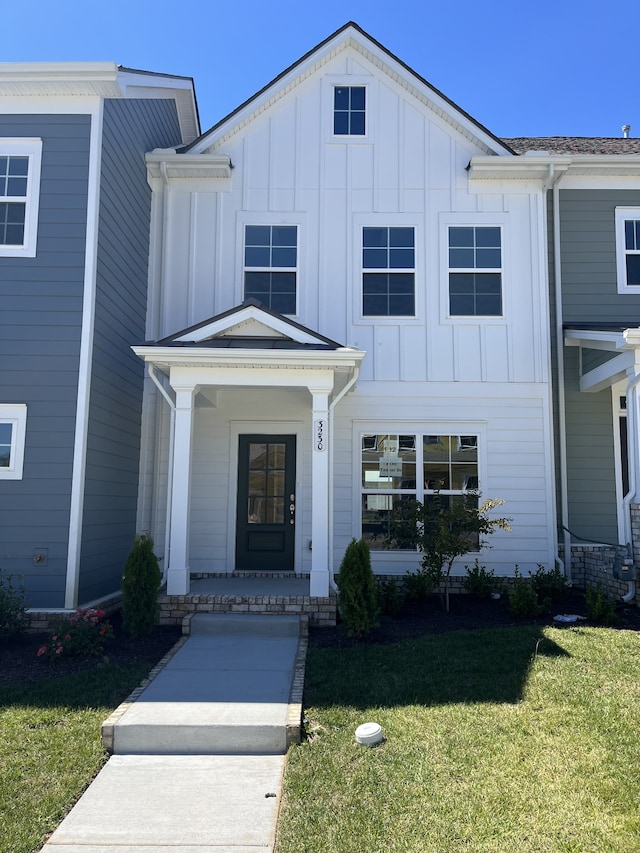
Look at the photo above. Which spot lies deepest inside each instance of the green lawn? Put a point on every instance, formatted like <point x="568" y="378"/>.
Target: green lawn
<point x="518" y="739"/>
<point x="50" y="748"/>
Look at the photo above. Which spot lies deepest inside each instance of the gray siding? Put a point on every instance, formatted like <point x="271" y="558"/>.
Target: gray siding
<point x="40" y="326"/>
<point x="130" y="129"/>
<point x="589" y="289"/>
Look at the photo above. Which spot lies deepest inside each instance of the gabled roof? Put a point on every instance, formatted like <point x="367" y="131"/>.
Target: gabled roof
<point x="249" y="326"/>
<point x="351" y="34"/>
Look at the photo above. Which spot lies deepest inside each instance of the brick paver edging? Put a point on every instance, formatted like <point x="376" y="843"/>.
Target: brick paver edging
<point x="294" y="711"/>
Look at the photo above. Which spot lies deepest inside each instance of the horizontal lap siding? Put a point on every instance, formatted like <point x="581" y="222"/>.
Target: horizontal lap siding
<point x="515" y="470"/>
<point x="40" y="327"/>
<point x="589" y="295"/>
<point x="111" y="484"/>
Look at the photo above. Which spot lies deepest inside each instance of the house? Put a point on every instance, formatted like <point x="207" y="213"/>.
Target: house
<point x="75" y="210"/>
<point x="593" y="244"/>
<point x="346" y="294"/>
<point x="343" y="314"/>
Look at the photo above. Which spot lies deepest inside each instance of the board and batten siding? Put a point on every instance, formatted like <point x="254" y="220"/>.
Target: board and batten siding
<point x="40" y="327"/>
<point x="409" y="171"/>
<point x="590" y="296"/>
<point x="130" y="129"/>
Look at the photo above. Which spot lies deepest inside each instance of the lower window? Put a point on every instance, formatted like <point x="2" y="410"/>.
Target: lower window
<point x="396" y="469"/>
<point x="13" y="423"/>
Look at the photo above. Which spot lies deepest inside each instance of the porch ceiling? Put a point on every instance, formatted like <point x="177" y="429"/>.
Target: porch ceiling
<point x="622" y="343"/>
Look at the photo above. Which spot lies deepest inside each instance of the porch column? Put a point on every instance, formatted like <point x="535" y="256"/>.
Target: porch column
<point x="178" y="570"/>
<point x="319" y="585"/>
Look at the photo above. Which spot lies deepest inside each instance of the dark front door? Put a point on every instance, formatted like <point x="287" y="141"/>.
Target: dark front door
<point x="265" y="517"/>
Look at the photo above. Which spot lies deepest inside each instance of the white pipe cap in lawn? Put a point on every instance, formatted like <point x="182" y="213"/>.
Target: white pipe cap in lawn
<point x="369" y="734"/>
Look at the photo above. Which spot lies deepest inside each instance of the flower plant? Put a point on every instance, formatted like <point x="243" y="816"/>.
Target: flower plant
<point x="83" y="633"/>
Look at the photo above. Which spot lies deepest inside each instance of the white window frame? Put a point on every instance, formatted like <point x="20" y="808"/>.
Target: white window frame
<point x="266" y="221"/>
<point x="387" y="270"/>
<point x="418" y="429"/>
<point x="16" y="415"/>
<point x="473" y="220"/>
<point x="31" y="148"/>
<point x="623" y="214"/>
<point x="329" y="83"/>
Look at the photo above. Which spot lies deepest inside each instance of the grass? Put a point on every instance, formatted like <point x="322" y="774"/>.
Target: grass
<point x="50" y="748"/>
<point x="520" y="738"/>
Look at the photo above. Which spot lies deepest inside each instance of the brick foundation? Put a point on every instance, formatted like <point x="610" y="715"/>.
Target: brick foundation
<point x="321" y="611"/>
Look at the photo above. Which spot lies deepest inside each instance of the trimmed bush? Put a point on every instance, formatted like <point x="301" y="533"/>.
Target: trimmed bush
<point x="481" y="581"/>
<point x="140" y="588"/>
<point x="357" y="594"/>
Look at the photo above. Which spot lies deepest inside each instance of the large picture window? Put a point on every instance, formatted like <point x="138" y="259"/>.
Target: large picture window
<point x="475" y="271"/>
<point x="398" y="468"/>
<point x="19" y="196"/>
<point x="270" y="266"/>
<point x="388" y="277"/>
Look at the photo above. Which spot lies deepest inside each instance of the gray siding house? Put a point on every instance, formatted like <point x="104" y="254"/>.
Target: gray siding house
<point x="75" y="211"/>
<point x="594" y="271"/>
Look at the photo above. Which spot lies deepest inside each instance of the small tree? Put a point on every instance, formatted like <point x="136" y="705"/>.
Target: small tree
<point x="140" y="588"/>
<point x="444" y="528"/>
<point x="357" y="594"/>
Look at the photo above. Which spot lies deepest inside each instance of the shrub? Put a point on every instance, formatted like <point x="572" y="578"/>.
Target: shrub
<point x="444" y="528"/>
<point x="481" y="581"/>
<point x="523" y="599"/>
<point x="391" y="596"/>
<point x="600" y="609"/>
<point x="422" y="583"/>
<point x="357" y="598"/>
<point x="12" y="608"/>
<point x="140" y="588"/>
<point x="83" y="633"/>
<point x="549" y="583"/>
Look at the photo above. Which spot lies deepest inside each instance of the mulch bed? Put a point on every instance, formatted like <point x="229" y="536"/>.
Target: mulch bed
<point x="466" y="613"/>
<point x="20" y="664"/>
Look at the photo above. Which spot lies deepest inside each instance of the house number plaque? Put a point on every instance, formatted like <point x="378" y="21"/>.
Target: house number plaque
<point x="320" y="435"/>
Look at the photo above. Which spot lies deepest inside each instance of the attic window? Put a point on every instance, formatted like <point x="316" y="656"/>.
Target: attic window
<point x="349" y="110"/>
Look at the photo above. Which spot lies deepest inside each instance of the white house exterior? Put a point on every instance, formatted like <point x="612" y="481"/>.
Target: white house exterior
<point x="342" y="313"/>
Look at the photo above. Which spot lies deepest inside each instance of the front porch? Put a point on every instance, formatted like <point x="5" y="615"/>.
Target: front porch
<point x="249" y="592"/>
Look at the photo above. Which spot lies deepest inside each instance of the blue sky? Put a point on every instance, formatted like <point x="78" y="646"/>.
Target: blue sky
<point x="538" y="69"/>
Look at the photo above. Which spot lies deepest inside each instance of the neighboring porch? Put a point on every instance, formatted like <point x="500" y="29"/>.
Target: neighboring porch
<point x="249" y="592"/>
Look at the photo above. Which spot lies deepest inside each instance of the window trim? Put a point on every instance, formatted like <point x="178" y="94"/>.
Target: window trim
<point x="622" y="215"/>
<point x="470" y="220"/>
<point x="329" y="83"/>
<point x="388" y="270"/>
<point x="31" y="148"/>
<point x="419" y="429"/>
<point x="270" y="220"/>
<point x="15" y="414"/>
<point x="390" y="220"/>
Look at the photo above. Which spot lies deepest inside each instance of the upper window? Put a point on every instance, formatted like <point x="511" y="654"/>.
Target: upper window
<point x="13" y="422"/>
<point x="628" y="247"/>
<point x="475" y="271"/>
<point x="349" y="110"/>
<point x="270" y="265"/>
<point x="19" y="196"/>
<point x="388" y="277"/>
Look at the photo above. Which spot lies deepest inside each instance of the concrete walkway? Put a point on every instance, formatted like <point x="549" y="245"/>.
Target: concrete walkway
<point x="198" y="752"/>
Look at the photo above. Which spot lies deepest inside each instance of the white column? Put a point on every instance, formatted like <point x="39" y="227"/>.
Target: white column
<point x="319" y="585"/>
<point x="178" y="571"/>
